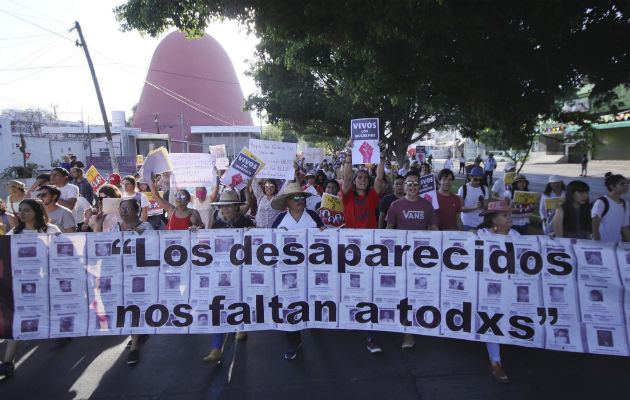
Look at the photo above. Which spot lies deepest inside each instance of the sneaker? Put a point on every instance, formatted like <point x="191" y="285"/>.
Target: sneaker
<point x="241" y="336"/>
<point x="292" y="351"/>
<point x="407" y="342"/>
<point x="59" y="343"/>
<point x="7" y="369"/>
<point x="214" y="356"/>
<point x="373" y="347"/>
<point x="133" y="357"/>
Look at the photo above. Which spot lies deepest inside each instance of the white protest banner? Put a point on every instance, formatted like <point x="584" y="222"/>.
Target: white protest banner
<point x="156" y="162"/>
<point x="243" y="168"/>
<point x="220" y="153"/>
<point x="557" y="295"/>
<point x="313" y="155"/>
<point x="278" y="158"/>
<point x="428" y="190"/>
<point x="365" y="133"/>
<point x="193" y="170"/>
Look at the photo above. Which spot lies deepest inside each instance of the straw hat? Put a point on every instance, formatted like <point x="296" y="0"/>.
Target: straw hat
<point x="228" y="197"/>
<point x="290" y="189"/>
<point x="495" y="207"/>
<point x="16" y="184"/>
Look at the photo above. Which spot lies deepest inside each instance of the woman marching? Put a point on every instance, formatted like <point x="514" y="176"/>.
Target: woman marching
<point x="555" y="189"/>
<point x="573" y="218"/>
<point x="520" y="222"/>
<point x="180" y="217"/>
<point x="611" y="213"/>
<point x="497" y="220"/>
<point x="32" y="219"/>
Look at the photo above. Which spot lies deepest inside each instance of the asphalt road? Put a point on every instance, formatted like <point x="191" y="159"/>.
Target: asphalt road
<point x="331" y="365"/>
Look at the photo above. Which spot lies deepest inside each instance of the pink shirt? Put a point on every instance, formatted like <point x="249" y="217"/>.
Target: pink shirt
<point x="411" y="215"/>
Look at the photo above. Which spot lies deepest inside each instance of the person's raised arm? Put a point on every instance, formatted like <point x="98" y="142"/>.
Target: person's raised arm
<point x="347" y="169"/>
<point x="248" y="198"/>
<point x="168" y="207"/>
<point x="379" y="183"/>
<point x="558" y="222"/>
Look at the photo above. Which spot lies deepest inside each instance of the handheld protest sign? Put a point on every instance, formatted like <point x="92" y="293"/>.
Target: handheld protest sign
<point x="364" y="133"/>
<point x="277" y="158"/>
<point x="242" y="170"/>
<point x="157" y="161"/>
<point x="95" y="179"/>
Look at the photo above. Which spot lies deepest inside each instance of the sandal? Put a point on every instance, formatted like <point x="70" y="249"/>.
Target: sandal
<point x="498" y="372"/>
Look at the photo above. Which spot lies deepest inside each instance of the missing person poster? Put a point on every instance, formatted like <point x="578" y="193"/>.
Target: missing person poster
<point x="364" y="133"/>
<point x="449" y="284"/>
<point x="243" y="168"/>
<point x="331" y="211"/>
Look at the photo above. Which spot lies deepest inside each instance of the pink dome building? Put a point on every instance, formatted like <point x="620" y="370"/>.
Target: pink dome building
<point x="192" y="83"/>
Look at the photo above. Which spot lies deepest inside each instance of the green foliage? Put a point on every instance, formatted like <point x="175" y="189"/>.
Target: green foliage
<point x="28" y="171"/>
<point x="279" y="133"/>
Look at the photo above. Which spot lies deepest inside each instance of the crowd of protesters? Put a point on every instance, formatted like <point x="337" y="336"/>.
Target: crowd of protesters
<point x="380" y="197"/>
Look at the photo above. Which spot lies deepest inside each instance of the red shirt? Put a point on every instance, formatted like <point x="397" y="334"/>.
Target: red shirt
<point x="360" y="211"/>
<point x="447" y="213"/>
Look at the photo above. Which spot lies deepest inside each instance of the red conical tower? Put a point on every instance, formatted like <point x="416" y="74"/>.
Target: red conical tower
<point x="191" y="82"/>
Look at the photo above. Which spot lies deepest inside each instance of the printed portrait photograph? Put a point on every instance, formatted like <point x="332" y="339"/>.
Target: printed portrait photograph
<point x="224" y="279"/>
<point x="65" y="250"/>
<point x="561" y="336"/>
<point x="104" y="284"/>
<point x="419" y="243"/>
<point x="257" y="241"/>
<point x="29" y="288"/>
<point x="388" y="281"/>
<point x="356" y="241"/>
<point x="137" y="284"/>
<point x="352" y="314"/>
<point x="389" y="243"/>
<point x="604" y="338"/>
<point x="66" y="324"/>
<point x="420" y="282"/>
<point x="29" y="325"/>
<point x="172" y="281"/>
<point x="522" y="294"/>
<point x="223" y="245"/>
<point x="202" y="320"/>
<point x="494" y="289"/>
<point x="321" y="278"/>
<point x="386" y="316"/>
<point x="257" y="278"/>
<point x="596" y="295"/>
<point x="457" y="319"/>
<point x="289" y="280"/>
<point x="65" y="285"/>
<point x="456" y="284"/>
<point x="176" y="255"/>
<point x="290" y="239"/>
<point x="27" y="251"/>
<point x="103" y="321"/>
<point x="103" y="249"/>
<point x="169" y="321"/>
<point x="223" y="317"/>
<point x="321" y="240"/>
<point x="204" y="282"/>
<point x="593" y="257"/>
<point x="355" y="280"/>
<point x="556" y="294"/>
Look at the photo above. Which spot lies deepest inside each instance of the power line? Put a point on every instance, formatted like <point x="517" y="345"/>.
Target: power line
<point x="37" y="25"/>
<point x="29" y="75"/>
<point x="26" y="37"/>
<point x="46" y="17"/>
<point x="193" y="76"/>
<point x="50" y="67"/>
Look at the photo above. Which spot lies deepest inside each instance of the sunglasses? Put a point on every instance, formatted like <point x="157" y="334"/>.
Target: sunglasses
<point x="477" y="179"/>
<point x="270" y="185"/>
<point x="298" y="198"/>
<point x="412" y="183"/>
<point x="181" y="196"/>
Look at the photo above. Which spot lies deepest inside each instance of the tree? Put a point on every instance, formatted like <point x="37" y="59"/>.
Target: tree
<point x="492" y="65"/>
<point x="279" y="133"/>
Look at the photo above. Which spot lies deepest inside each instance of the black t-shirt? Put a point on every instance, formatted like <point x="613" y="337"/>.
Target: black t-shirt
<point x="240" y="222"/>
<point x="386" y="202"/>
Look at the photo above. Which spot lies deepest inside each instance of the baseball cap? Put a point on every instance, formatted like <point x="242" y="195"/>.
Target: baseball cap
<point x="114" y="179"/>
<point x="509" y="165"/>
<point x="62" y="171"/>
<point x="554" y="179"/>
<point x="476" y="171"/>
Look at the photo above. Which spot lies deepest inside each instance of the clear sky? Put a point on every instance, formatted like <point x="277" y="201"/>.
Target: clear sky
<point x="40" y="66"/>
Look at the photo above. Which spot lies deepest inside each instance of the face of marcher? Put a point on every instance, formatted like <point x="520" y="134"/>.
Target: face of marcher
<point x="621" y="188"/>
<point x="362" y="180"/>
<point x="57" y="178"/>
<point x="296" y="203"/>
<point x="412" y="186"/>
<point x="556" y="187"/>
<point x="26" y="214"/>
<point x="270" y="188"/>
<point x="399" y="187"/>
<point x="503" y="220"/>
<point x="580" y="197"/>
<point x="520" y="185"/>
<point x="446" y="182"/>
<point x="424" y="170"/>
<point x="45" y="197"/>
<point x="475" y="181"/>
<point x="331" y="188"/>
<point x="127" y="212"/>
<point x="127" y="186"/>
<point x="229" y="211"/>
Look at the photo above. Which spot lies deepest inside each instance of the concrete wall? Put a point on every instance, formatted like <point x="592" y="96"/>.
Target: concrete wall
<point x="614" y="144"/>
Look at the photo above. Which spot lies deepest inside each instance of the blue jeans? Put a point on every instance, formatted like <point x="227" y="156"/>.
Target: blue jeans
<point x="217" y="340"/>
<point x="494" y="351"/>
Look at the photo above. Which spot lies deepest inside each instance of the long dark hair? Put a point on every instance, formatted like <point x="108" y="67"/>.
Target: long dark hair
<point x="584" y="213"/>
<point x="369" y="185"/>
<point x="41" y="216"/>
<point x="548" y="188"/>
<point x="612" y="180"/>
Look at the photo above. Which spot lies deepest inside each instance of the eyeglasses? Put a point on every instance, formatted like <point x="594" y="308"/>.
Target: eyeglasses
<point x="412" y="183"/>
<point x="181" y="196"/>
<point x="270" y="185"/>
<point x="126" y="208"/>
<point x="298" y="198"/>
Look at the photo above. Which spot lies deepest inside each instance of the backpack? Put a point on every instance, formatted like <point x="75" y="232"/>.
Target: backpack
<point x="465" y="191"/>
<point x="607" y="205"/>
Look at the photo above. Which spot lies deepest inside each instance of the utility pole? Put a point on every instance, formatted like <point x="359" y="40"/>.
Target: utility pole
<point x="110" y="143"/>
<point x="157" y="123"/>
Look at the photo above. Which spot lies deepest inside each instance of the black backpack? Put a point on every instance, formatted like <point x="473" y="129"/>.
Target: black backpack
<point x="604" y="200"/>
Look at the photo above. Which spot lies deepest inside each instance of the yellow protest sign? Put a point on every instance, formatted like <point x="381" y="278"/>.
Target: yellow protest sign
<point x="95" y="179"/>
<point x="139" y="159"/>
<point x="509" y="178"/>
<point x="332" y="202"/>
<point x="552" y="203"/>
<point x="524" y="202"/>
<point x="154" y="207"/>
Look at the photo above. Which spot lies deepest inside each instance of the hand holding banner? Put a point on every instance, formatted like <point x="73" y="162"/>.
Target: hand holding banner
<point x="242" y="170"/>
<point x="364" y="133"/>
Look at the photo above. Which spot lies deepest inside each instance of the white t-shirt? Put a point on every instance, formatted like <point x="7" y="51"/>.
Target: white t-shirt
<point x="79" y="209"/>
<point x="615" y="219"/>
<point x="472" y="218"/>
<point x="69" y="191"/>
<point x="499" y="187"/>
<point x="448" y="164"/>
<point x="144" y="201"/>
<point x="51" y="229"/>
